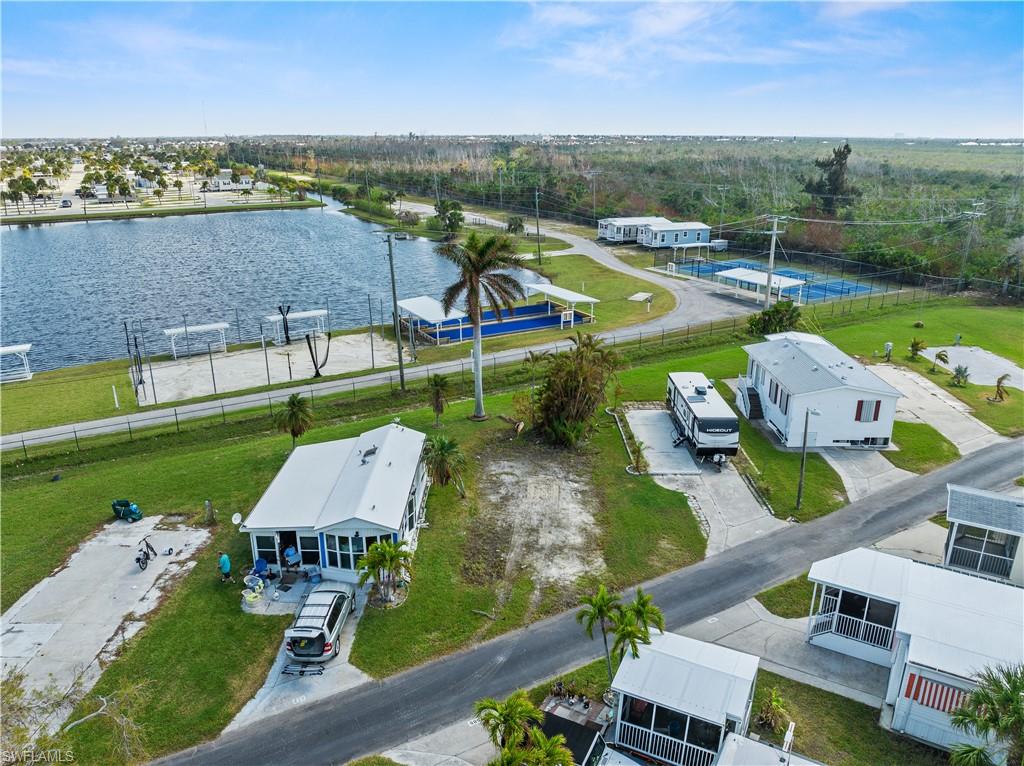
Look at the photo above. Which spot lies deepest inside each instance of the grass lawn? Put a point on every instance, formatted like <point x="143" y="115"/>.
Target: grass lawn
<point x="940" y="519"/>
<point x="789" y="599"/>
<point x="839" y="731"/>
<point x="921" y="448"/>
<point x="373" y="760"/>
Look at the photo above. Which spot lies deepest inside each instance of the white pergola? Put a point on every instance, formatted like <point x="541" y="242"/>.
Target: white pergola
<point x="569" y="297"/>
<point x="688" y="246"/>
<point x="319" y="316"/>
<point x="429" y="310"/>
<point x="175" y="333"/>
<point x="19" y="351"/>
<point x="760" y="280"/>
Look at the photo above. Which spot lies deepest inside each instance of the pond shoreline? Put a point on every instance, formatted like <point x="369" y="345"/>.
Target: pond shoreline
<point x="115" y="215"/>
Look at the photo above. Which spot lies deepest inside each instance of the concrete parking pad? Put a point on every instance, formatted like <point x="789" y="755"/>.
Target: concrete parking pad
<point x="461" y="744"/>
<point x="985" y="367"/>
<point x="863" y="471"/>
<point x="57" y="631"/>
<point x="654" y="428"/>
<point x="282" y="692"/>
<point x="925" y="402"/>
<point x="922" y="542"/>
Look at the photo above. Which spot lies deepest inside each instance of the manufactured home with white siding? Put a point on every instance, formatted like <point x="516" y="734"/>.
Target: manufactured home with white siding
<point x="674" y="234"/>
<point x="625" y="229"/>
<point x="985" y="531"/>
<point x="792" y="374"/>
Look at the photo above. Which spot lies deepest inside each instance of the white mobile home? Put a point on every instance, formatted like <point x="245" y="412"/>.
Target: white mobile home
<point x="674" y="234"/>
<point x="703" y="419"/>
<point x="985" y="530"/>
<point x="792" y="375"/>
<point x="625" y="229"/>
<point x="679" y="700"/>
<point x="331" y="501"/>
<point x="935" y="628"/>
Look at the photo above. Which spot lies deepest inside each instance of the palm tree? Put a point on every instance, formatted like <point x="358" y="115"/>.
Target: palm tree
<point x="480" y="262"/>
<point x="960" y="375"/>
<point x="533" y="360"/>
<point x="1001" y="393"/>
<point x="439" y="386"/>
<point x="296" y="417"/>
<point x="246" y="193"/>
<point x="384" y="563"/>
<point x="179" y="185"/>
<point x="629" y="634"/>
<point x="511" y="756"/>
<point x="941" y="357"/>
<point x="599" y="609"/>
<point x="548" y="751"/>
<point x="994" y="710"/>
<point x="508" y="722"/>
<point x="916" y="347"/>
<point x="159" y="194"/>
<point x="646" y="613"/>
<point x="399" y="195"/>
<point x="445" y="461"/>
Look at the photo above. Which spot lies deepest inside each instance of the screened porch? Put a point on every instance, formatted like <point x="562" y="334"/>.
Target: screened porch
<point x="849" y="614"/>
<point x="667" y="735"/>
<point x="985" y="551"/>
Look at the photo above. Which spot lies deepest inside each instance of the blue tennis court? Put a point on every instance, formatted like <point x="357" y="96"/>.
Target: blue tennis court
<point x="817" y="287"/>
<point x="536" y="316"/>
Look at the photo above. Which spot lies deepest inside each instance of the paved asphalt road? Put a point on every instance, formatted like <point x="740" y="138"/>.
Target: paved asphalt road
<point x="378" y="715"/>
<point x="695" y="303"/>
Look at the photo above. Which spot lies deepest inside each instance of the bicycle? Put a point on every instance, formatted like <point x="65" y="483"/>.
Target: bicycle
<point x="146" y="554"/>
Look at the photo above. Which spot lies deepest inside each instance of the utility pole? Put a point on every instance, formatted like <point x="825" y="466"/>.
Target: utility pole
<point x="394" y="299"/>
<point x="771" y="261"/>
<point x="592" y="175"/>
<point x="972" y="216"/>
<point x="437" y="190"/>
<point x="536" y="212"/>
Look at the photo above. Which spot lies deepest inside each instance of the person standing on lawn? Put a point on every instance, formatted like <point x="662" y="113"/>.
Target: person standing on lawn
<point x="225" y="567"/>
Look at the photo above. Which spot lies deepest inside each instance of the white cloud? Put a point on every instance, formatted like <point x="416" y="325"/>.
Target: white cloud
<point x="841" y="11"/>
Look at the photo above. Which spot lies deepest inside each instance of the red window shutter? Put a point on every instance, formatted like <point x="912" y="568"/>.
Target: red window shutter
<point x="878" y="408"/>
<point x="860" y="409"/>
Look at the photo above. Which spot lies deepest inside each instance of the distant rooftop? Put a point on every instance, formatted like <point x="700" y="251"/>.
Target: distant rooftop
<point x="982" y="508"/>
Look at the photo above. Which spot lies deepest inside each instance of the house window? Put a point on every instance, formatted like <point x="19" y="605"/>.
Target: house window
<point x="773" y="392"/>
<point x="700" y="234"/>
<point x="784" y="403"/>
<point x="637" y="711"/>
<point x="332" y="550"/>
<point x="266" y="548"/>
<point x="670" y="723"/>
<point x="309" y="549"/>
<point x="686" y="234"/>
<point x="703" y="734"/>
<point x="676" y="235"/>
<point x="410" y="512"/>
<point x="662" y="238"/>
<point x="867" y="410"/>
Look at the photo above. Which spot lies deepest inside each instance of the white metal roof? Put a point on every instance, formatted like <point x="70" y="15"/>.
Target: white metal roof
<point x="320" y="485"/>
<point x="429" y="309"/>
<point x="710" y="404"/>
<point x="688" y="245"/>
<point x="741" y="751"/>
<point x="803" y="365"/>
<point x="21" y="348"/>
<point x="677" y="226"/>
<point x="297" y="315"/>
<point x="212" y="327"/>
<point x="559" y="293"/>
<point x="759" y="278"/>
<point x="690" y="676"/>
<point x="979" y="507"/>
<point x="640" y="220"/>
<point x="639" y="297"/>
<point x="958" y="623"/>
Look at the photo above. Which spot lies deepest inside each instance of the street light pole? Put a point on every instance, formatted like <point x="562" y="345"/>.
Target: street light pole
<point x="394" y="299"/>
<point x="803" y="456"/>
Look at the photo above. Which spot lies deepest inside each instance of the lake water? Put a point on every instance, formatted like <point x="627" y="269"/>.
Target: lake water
<point x="67" y="288"/>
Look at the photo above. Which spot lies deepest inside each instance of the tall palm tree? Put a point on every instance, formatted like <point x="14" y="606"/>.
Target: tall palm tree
<point x="916" y="347"/>
<point x="295" y="418"/>
<point x="1001" y="393"/>
<point x="941" y="357"/>
<point x="439" y="387"/>
<point x="512" y="756"/>
<point x="445" y="461"/>
<point x="246" y="193"/>
<point x="629" y="634"/>
<point x="385" y="562"/>
<point x="993" y="710"/>
<point x="507" y="722"/>
<point x="548" y="751"/>
<point x="646" y="613"/>
<point x="399" y="195"/>
<point x="599" y="609"/>
<point x="480" y="261"/>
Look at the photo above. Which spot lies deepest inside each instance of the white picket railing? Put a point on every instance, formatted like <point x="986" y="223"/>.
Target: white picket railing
<point x="668" y="749"/>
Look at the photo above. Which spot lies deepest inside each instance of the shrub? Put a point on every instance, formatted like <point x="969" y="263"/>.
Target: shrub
<point x="773" y="714"/>
<point x="782" y="316"/>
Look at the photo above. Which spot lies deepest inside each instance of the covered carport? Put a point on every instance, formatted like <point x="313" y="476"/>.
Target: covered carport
<point x="759" y="279"/>
<point x="426" y="310"/>
<point x="569" y="298"/>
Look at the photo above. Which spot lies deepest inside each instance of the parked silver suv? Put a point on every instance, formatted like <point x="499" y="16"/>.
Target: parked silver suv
<point x="313" y="636"/>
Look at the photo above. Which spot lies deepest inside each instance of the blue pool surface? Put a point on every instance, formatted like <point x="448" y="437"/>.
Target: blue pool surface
<point x="817" y="287"/>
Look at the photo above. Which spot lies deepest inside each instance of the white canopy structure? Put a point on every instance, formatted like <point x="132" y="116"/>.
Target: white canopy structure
<point x="20" y="352"/>
<point x="319" y="316"/>
<point x="175" y="333"/>
<point x="429" y="310"/>
<point x="569" y="297"/>
<point x="760" y="279"/>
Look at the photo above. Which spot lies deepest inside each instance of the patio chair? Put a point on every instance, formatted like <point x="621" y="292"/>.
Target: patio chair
<point x="292" y="559"/>
<point x="261" y="570"/>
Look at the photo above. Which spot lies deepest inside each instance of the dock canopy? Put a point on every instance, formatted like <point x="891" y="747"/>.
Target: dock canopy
<point x="319" y="316"/>
<point x="20" y="352"/>
<point x="760" y="278"/>
<point x="429" y="310"/>
<point x="569" y="297"/>
<point x="175" y="333"/>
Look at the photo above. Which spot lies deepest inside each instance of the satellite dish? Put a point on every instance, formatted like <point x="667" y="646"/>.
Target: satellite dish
<point x="236" y="519"/>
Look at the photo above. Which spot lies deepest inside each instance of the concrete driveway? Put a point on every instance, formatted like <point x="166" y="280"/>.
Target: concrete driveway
<point x="655" y="429"/>
<point x="57" y="632"/>
<point x="863" y="471"/>
<point x="925" y="402"/>
<point x="984" y="366"/>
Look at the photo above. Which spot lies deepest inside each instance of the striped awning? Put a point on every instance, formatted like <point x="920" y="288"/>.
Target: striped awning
<point x="934" y="694"/>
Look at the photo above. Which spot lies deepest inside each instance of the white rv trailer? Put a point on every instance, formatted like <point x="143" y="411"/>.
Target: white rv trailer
<point x="702" y="417"/>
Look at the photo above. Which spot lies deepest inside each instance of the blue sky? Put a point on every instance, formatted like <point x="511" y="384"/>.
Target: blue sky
<point x="833" y="69"/>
